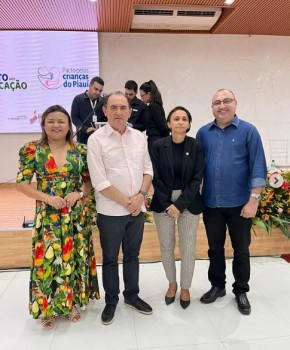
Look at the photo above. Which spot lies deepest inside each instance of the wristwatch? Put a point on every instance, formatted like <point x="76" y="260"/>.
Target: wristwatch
<point x="256" y="196"/>
<point x="144" y="193"/>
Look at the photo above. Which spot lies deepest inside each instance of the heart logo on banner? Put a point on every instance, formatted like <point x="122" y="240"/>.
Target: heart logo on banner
<point x="49" y="77"/>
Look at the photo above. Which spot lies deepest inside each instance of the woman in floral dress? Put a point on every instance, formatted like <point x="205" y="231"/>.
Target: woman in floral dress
<point x="63" y="271"/>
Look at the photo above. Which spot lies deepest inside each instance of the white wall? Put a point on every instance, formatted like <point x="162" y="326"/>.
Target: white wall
<point x="188" y="69"/>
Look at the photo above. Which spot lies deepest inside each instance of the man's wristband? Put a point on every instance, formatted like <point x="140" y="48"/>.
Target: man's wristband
<point x="144" y="193"/>
<point x="256" y="196"/>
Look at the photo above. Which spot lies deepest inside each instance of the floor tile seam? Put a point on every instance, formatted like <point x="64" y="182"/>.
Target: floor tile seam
<point x="282" y="318"/>
<point x="229" y="341"/>
<point x="134" y="323"/>
<point x="5" y="289"/>
<point x="211" y="321"/>
<point x="53" y="337"/>
<point x="180" y="345"/>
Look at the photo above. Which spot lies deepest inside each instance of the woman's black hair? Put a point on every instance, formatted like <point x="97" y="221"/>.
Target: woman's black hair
<point x="150" y="86"/>
<point x="182" y="109"/>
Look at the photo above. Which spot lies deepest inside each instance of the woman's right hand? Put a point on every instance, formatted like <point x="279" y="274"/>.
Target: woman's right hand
<point x="56" y="202"/>
<point x="173" y="212"/>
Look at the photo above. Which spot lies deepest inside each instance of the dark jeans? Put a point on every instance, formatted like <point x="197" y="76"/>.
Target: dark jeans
<point x="216" y="221"/>
<point x="116" y="231"/>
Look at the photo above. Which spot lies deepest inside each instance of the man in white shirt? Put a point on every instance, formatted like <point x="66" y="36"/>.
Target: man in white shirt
<point x="121" y="173"/>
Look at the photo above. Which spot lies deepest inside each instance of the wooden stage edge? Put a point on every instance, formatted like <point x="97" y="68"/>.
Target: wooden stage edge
<point x="15" y="246"/>
<point x="15" y="241"/>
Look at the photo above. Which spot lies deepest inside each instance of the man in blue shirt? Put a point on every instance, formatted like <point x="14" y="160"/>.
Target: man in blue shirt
<point x="234" y="174"/>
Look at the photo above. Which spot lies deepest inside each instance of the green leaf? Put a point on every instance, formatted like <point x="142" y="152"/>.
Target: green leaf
<point x="47" y="272"/>
<point x="260" y="223"/>
<point x="285" y="231"/>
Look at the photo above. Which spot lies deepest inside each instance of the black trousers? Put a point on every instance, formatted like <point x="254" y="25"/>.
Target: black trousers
<point x="117" y="231"/>
<point x="216" y="221"/>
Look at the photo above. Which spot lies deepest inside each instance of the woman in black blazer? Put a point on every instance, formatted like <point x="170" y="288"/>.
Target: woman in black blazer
<point x="156" y="123"/>
<point x="178" y="168"/>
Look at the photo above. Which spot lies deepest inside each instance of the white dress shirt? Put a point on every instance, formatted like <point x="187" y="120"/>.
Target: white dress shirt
<point x="119" y="161"/>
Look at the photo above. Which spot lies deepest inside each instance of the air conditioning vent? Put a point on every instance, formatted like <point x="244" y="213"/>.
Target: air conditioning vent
<point x="143" y="12"/>
<point x="168" y="18"/>
<point x="196" y="13"/>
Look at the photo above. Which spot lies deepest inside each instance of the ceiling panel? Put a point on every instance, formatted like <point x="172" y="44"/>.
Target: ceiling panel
<point x="252" y="17"/>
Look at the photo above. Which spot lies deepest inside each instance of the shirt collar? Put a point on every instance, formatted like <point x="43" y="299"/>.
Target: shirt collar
<point x="235" y="122"/>
<point x="135" y="99"/>
<point x="110" y="130"/>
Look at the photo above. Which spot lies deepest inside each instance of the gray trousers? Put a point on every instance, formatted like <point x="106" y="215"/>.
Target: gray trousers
<point x="187" y="225"/>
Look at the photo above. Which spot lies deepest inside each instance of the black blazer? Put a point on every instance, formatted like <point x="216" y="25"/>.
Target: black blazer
<point x="156" y="125"/>
<point x="163" y="179"/>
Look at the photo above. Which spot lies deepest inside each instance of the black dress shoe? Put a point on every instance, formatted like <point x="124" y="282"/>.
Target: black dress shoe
<point x="212" y="295"/>
<point x="243" y="304"/>
<point x="184" y="303"/>
<point x="108" y="314"/>
<point x="140" y="306"/>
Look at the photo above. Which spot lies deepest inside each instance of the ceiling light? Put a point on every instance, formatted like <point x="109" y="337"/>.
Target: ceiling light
<point x="229" y="2"/>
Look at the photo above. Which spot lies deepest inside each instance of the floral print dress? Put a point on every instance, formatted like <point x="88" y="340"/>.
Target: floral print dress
<point x="63" y="271"/>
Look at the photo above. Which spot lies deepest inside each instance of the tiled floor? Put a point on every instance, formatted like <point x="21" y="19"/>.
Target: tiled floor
<point x="200" y="327"/>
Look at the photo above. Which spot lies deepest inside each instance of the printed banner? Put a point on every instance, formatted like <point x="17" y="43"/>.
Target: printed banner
<point x="39" y="69"/>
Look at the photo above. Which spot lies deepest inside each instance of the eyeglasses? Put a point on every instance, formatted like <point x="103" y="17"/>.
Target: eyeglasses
<point x="146" y="93"/>
<point x="225" y="101"/>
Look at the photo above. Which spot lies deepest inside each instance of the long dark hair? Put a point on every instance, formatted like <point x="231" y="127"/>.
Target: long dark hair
<point x="150" y="86"/>
<point x="56" y="108"/>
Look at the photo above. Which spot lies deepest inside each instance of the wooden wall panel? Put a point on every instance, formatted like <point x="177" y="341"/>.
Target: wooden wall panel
<point x="15" y="246"/>
<point x="15" y="242"/>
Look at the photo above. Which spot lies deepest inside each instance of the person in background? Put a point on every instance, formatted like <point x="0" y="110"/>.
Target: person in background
<point x="63" y="272"/>
<point x="235" y="172"/>
<point x="156" y="125"/>
<point x="178" y="166"/>
<point x="139" y="115"/>
<point x="121" y="173"/>
<point x="87" y="109"/>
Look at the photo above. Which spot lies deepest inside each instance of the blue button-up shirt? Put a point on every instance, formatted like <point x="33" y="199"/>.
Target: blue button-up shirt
<point x="234" y="163"/>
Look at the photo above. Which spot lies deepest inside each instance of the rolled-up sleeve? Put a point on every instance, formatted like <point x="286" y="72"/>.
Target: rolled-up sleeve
<point x="96" y="165"/>
<point x="257" y="161"/>
<point x="148" y="169"/>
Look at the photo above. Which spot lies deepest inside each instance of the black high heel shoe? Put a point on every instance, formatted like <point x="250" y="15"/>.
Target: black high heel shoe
<point x="170" y="300"/>
<point x="184" y="303"/>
